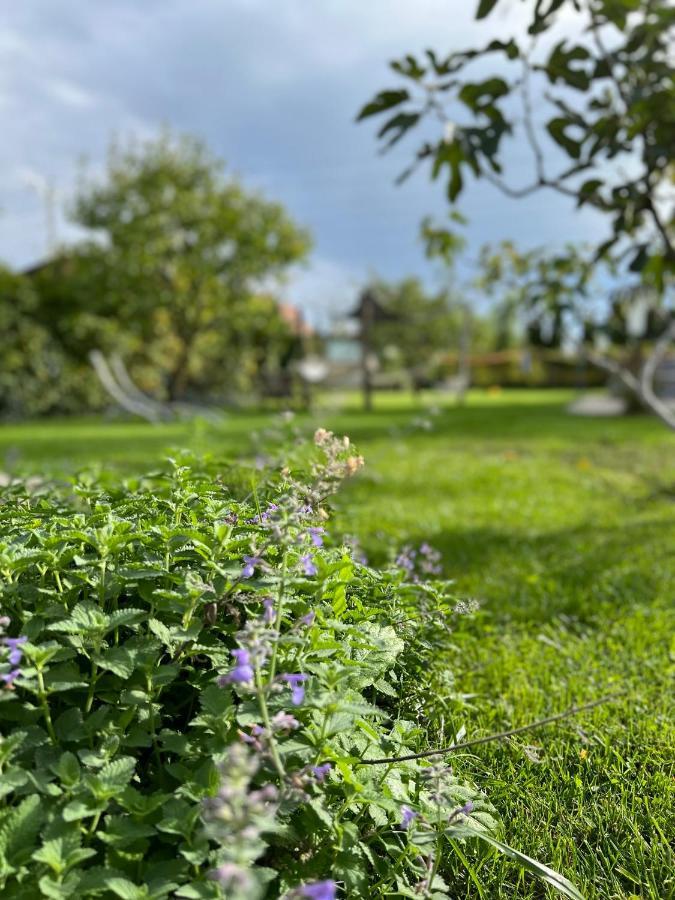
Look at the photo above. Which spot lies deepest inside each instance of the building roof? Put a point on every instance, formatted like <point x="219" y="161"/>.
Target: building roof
<point x="295" y="320"/>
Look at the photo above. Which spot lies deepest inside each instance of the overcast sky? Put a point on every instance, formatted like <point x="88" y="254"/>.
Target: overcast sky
<point x="273" y="87"/>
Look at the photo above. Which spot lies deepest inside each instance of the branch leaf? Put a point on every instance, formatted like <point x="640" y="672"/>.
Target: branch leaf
<point x="382" y="102"/>
<point x="485" y="7"/>
<point x="555" y="879"/>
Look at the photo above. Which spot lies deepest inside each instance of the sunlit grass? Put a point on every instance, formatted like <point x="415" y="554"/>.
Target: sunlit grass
<point x="563" y="529"/>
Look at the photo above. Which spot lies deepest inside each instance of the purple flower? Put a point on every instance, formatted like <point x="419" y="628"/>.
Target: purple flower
<point x="254" y="739"/>
<point x="265" y="794"/>
<point x="15" y="652"/>
<point x="431" y="562"/>
<point x="319" y="890"/>
<point x="406" y="559"/>
<point x="308" y="564"/>
<point x="250" y="562"/>
<point x="461" y="811"/>
<point x="8" y="677"/>
<point x="308" y="618"/>
<point x="251" y="740"/>
<point x="231" y="874"/>
<point x="407" y="816"/>
<point x="320" y="772"/>
<point x="284" y="721"/>
<point x="315" y="535"/>
<point x="242" y="672"/>
<point x="268" y="614"/>
<point x="271" y="507"/>
<point x="295" y="682"/>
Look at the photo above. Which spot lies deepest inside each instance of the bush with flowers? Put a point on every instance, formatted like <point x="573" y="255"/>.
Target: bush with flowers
<point x="195" y="683"/>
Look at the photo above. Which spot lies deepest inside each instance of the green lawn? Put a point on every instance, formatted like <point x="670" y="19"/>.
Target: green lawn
<point x="563" y="529"/>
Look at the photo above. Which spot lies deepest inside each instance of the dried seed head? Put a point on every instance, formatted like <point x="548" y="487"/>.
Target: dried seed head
<point x="353" y="464"/>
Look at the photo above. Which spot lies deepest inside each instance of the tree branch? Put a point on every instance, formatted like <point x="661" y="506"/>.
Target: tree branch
<point x="643" y="386"/>
<point x="661" y="227"/>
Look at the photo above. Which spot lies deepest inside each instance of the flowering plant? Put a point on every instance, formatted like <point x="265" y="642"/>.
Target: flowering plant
<point x="194" y="683"/>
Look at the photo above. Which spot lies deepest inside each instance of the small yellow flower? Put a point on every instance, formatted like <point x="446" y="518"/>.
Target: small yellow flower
<point x="583" y="754"/>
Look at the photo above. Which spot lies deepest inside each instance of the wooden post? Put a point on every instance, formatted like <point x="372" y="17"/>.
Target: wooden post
<point x="464" y="353"/>
<point x="368" y="313"/>
<point x="366" y="320"/>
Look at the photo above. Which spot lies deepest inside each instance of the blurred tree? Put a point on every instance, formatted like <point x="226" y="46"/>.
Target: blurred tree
<point x="177" y="261"/>
<point x="425" y="326"/>
<point x="443" y="245"/>
<point x="544" y="292"/>
<point x="36" y="376"/>
<point x="424" y="323"/>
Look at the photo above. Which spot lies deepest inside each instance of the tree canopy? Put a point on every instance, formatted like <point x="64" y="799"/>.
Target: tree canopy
<point x="184" y="257"/>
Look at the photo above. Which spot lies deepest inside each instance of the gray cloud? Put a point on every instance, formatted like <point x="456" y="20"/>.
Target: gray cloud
<point x="273" y="89"/>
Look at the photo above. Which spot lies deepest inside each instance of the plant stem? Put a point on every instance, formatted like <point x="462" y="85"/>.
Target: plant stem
<point x="45" y="707"/>
<point x="92" y="686"/>
<point x="436" y="862"/>
<point x="94" y="824"/>
<point x="264" y="712"/>
<point x="277" y="622"/>
<point x="497" y="736"/>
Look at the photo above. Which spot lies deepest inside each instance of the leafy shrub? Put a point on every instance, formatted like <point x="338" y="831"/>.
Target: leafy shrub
<point x="194" y="687"/>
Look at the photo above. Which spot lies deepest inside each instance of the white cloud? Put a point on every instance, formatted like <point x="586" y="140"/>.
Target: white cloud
<point x="273" y="88"/>
<point x="322" y="289"/>
<point x="69" y="94"/>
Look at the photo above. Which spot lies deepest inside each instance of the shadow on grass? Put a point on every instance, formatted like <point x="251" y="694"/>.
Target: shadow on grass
<point x="582" y="571"/>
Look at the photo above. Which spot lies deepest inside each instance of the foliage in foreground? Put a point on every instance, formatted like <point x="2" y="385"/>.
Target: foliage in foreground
<point x="191" y="687"/>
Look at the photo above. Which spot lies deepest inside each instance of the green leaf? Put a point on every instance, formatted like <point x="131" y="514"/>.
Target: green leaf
<point x="161" y="631"/>
<point x="559" y="882"/>
<point x="339" y="600"/>
<point x="559" y="68"/>
<point x="51" y="854"/>
<point x="118" y="772"/>
<point x="485" y="7"/>
<point x="399" y="124"/>
<point x="382" y="102"/>
<point x="11" y="780"/>
<point x="85" y="618"/>
<point x="77" y="810"/>
<point x="67" y="768"/>
<point x="117" y="660"/>
<point x="127" y="890"/>
<point x="126" y="617"/>
<point x="215" y="701"/>
<point x="588" y="189"/>
<point x="480" y="95"/>
<point x="56" y="890"/>
<point x="121" y="831"/>
<point x="557" y="129"/>
<point x="19" y="833"/>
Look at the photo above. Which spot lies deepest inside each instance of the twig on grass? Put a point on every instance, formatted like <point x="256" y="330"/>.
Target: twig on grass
<point x="497" y="736"/>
